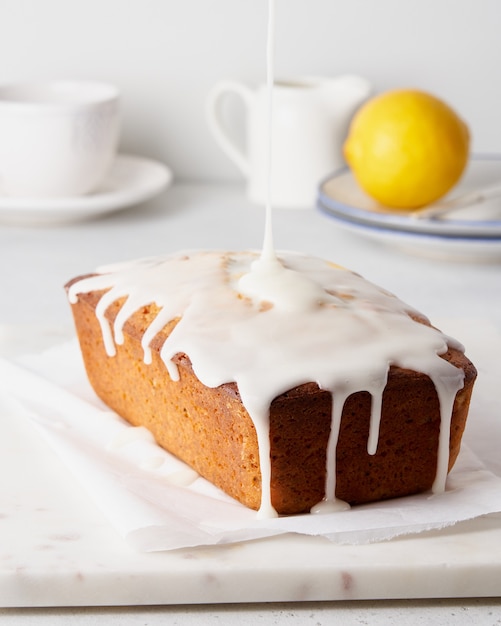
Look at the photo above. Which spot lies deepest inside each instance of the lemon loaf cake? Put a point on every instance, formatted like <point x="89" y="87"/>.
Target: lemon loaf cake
<point x="316" y="393"/>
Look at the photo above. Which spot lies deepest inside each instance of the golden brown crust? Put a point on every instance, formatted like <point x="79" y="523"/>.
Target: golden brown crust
<point x="211" y="430"/>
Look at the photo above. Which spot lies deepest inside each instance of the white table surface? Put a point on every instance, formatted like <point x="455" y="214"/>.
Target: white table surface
<point x="35" y="262"/>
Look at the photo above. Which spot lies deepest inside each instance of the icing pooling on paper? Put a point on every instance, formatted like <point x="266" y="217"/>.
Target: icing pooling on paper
<point x="345" y="340"/>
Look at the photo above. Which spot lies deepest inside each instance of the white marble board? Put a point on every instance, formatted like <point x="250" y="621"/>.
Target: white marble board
<point x="57" y="549"/>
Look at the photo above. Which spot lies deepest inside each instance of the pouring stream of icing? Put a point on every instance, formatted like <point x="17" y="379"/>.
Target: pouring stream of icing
<point x="270" y="281"/>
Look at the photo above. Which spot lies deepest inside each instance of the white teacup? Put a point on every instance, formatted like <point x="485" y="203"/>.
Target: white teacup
<point x="57" y="138"/>
<point x="310" y="121"/>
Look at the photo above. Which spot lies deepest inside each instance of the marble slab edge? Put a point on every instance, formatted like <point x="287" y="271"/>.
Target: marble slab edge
<point x="456" y="563"/>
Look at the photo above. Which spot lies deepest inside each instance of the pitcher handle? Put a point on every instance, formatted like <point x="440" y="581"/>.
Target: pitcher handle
<point x="217" y="125"/>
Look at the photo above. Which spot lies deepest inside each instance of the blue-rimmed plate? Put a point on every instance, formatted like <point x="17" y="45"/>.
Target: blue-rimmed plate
<point x="341" y="197"/>
<point x="435" y="246"/>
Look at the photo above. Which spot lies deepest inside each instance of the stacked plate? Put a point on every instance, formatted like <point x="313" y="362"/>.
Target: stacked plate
<point x="469" y="228"/>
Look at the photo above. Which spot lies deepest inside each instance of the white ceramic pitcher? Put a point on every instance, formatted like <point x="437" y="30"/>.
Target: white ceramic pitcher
<point x="310" y="121"/>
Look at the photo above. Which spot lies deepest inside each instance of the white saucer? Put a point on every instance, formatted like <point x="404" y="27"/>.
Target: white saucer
<point x="341" y="196"/>
<point x="131" y="180"/>
<point x="466" y="249"/>
<point x="470" y="233"/>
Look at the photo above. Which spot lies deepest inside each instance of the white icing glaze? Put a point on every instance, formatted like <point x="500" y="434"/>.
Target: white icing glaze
<point x="345" y="339"/>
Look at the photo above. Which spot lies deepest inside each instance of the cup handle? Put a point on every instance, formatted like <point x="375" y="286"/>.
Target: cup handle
<point x="217" y="125"/>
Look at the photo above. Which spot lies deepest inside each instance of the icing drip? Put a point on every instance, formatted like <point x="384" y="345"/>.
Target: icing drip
<point x="336" y="329"/>
<point x="331" y="504"/>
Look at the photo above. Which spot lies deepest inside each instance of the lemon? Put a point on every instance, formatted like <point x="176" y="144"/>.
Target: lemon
<point x="406" y="148"/>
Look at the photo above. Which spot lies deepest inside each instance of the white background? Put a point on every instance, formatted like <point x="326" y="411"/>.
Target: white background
<point x="166" y="54"/>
